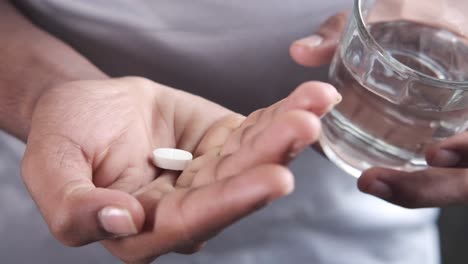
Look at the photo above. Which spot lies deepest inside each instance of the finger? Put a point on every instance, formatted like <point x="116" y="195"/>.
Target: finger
<point x="280" y="152"/>
<point x="257" y="119"/>
<point x="218" y="134"/>
<point x="59" y="179"/>
<point x="318" y="49"/>
<point x="315" y="97"/>
<point x="188" y="217"/>
<point x="452" y="152"/>
<point x="433" y="187"/>
<point x="150" y="196"/>
<point x="287" y="135"/>
<point x="122" y="171"/>
<point x="186" y="178"/>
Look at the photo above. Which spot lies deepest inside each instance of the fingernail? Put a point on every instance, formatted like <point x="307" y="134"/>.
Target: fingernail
<point x="337" y="95"/>
<point x="337" y="101"/>
<point x="311" y="42"/>
<point x="379" y="189"/>
<point x="444" y="158"/>
<point x="117" y="221"/>
<point x="339" y="98"/>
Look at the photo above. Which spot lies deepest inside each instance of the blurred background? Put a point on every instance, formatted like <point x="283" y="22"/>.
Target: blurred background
<point x="453" y="225"/>
<point x="26" y="239"/>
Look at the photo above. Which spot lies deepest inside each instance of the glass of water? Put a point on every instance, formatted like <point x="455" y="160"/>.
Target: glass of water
<point x="402" y="69"/>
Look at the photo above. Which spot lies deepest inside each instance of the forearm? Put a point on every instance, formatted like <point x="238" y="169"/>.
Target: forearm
<point x="32" y="61"/>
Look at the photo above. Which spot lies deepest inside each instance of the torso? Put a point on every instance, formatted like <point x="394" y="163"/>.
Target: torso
<point x="236" y="53"/>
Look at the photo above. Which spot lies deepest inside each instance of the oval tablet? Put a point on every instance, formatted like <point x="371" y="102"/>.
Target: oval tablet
<point x="171" y="158"/>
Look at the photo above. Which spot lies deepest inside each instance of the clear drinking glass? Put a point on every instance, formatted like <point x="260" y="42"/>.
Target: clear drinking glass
<point x="402" y="69"/>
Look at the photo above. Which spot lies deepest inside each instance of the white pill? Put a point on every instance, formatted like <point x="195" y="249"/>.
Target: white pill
<point x="171" y="159"/>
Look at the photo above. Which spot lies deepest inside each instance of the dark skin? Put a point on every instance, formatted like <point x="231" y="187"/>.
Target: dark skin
<point x="444" y="183"/>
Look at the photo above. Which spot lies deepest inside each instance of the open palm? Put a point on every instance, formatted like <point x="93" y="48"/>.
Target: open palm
<point x="88" y="162"/>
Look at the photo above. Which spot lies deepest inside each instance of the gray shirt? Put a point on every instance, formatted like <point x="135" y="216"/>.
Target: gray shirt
<point x="236" y="53"/>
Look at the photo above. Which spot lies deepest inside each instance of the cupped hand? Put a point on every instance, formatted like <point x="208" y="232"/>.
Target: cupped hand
<point x="88" y="162"/>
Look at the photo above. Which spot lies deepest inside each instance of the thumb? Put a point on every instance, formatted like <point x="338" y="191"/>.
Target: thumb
<point x="59" y="177"/>
<point x="318" y="49"/>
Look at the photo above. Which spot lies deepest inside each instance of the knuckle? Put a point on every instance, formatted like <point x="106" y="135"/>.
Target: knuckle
<point x="247" y="133"/>
<point x="62" y="228"/>
<point x="139" y="80"/>
<point x="63" y="224"/>
<point x="303" y="125"/>
<point x="253" y="117"/>
<point x="223" y="165"/>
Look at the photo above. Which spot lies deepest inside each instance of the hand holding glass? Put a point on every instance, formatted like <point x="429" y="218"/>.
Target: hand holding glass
<point x="402" y="69"/>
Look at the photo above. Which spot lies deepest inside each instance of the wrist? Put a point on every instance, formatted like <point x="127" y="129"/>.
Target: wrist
<point x="20" y="93"/>
<point x="32" y="62"/>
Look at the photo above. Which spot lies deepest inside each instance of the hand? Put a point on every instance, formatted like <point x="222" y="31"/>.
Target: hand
<point x="87" y="162"/>
<point x="318" y="49"/>
<point x="445" y="183"/>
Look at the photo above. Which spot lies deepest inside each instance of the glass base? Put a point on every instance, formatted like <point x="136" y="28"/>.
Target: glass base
<point x="343" y="164"/>
<point x="354" y="151"/>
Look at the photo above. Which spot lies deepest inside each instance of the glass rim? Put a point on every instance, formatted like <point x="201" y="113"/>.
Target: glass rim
<point x="394" y="63"/>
